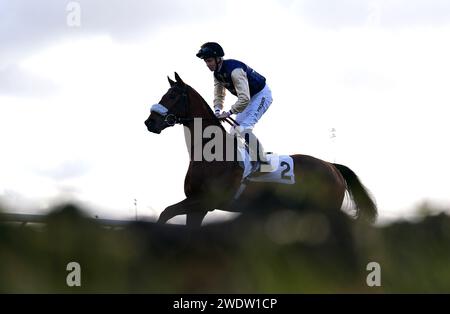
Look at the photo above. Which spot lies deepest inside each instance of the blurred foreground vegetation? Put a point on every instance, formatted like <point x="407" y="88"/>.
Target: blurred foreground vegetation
<point x="280" y="252"/>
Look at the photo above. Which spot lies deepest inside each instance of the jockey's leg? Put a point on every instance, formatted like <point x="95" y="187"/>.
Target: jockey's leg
<point x="252" y="144"/>
<point x="255" y="148"/>
<point x="247" y="119"/>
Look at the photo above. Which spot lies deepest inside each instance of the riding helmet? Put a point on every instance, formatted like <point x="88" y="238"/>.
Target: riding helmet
<point x="210" y="50"/>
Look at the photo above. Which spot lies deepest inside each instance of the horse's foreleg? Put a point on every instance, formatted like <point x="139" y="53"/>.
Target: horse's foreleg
<point x="190" y="207"/>
<point x="173" y="210"/>
<point x="194" y="219"/>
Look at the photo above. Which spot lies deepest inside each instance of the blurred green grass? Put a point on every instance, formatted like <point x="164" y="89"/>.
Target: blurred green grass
<point x="282" y="252"/>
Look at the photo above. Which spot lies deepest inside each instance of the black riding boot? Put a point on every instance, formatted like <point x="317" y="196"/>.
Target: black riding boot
<point x="255" y="151"/>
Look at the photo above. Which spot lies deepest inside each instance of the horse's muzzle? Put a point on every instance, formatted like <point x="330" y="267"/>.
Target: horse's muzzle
<point x="151" y="127"/>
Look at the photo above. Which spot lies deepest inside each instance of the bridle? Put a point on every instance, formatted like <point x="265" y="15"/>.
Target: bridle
<point x="171" y="118"/>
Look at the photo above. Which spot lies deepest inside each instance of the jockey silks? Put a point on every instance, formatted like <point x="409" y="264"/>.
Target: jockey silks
<point x="256" y="81"/>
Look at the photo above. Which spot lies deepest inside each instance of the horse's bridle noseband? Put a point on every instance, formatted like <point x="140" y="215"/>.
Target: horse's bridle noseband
<point x="171" y="118"/>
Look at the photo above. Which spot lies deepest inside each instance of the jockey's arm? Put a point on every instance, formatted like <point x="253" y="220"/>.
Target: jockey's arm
<point x="219" y="95"/>
<point x="240" y="83"/>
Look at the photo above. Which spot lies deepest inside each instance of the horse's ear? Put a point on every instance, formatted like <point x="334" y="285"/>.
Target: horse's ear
<point x="178" y="79"/>
<point x="172" y="83"/>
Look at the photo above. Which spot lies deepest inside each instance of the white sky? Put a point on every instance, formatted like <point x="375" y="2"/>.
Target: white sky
<point x="73" y="100"/>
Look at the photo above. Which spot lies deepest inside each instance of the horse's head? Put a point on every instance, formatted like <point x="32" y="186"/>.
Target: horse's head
<point x="172" y="108"/>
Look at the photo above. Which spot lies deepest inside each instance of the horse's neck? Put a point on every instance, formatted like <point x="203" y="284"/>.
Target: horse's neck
<point x="199" y="108"/>
<point x="194" y="131"/>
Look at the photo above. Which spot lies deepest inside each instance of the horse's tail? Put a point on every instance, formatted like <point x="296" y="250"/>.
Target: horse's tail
<point x="365" y="205"/>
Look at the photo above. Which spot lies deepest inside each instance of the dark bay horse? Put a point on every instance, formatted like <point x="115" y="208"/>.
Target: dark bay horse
<point x="212" y="184"/>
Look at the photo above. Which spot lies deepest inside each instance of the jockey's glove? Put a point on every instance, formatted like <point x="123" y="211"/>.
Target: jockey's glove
<point x="224" y="114"/>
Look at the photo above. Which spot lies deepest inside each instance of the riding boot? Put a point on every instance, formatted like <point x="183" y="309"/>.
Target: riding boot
<point x="255" y="151"/>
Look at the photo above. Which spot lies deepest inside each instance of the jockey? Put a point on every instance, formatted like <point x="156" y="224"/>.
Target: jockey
<point x="254" y="96"/>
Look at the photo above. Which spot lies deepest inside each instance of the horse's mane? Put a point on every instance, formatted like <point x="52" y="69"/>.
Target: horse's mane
<point x="208" y="108"/>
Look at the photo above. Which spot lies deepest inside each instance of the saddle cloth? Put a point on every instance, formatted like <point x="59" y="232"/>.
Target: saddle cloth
<point x="280" y="170"/>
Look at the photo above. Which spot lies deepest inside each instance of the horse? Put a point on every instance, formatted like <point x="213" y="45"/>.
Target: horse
<point x="212" y="184"/>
